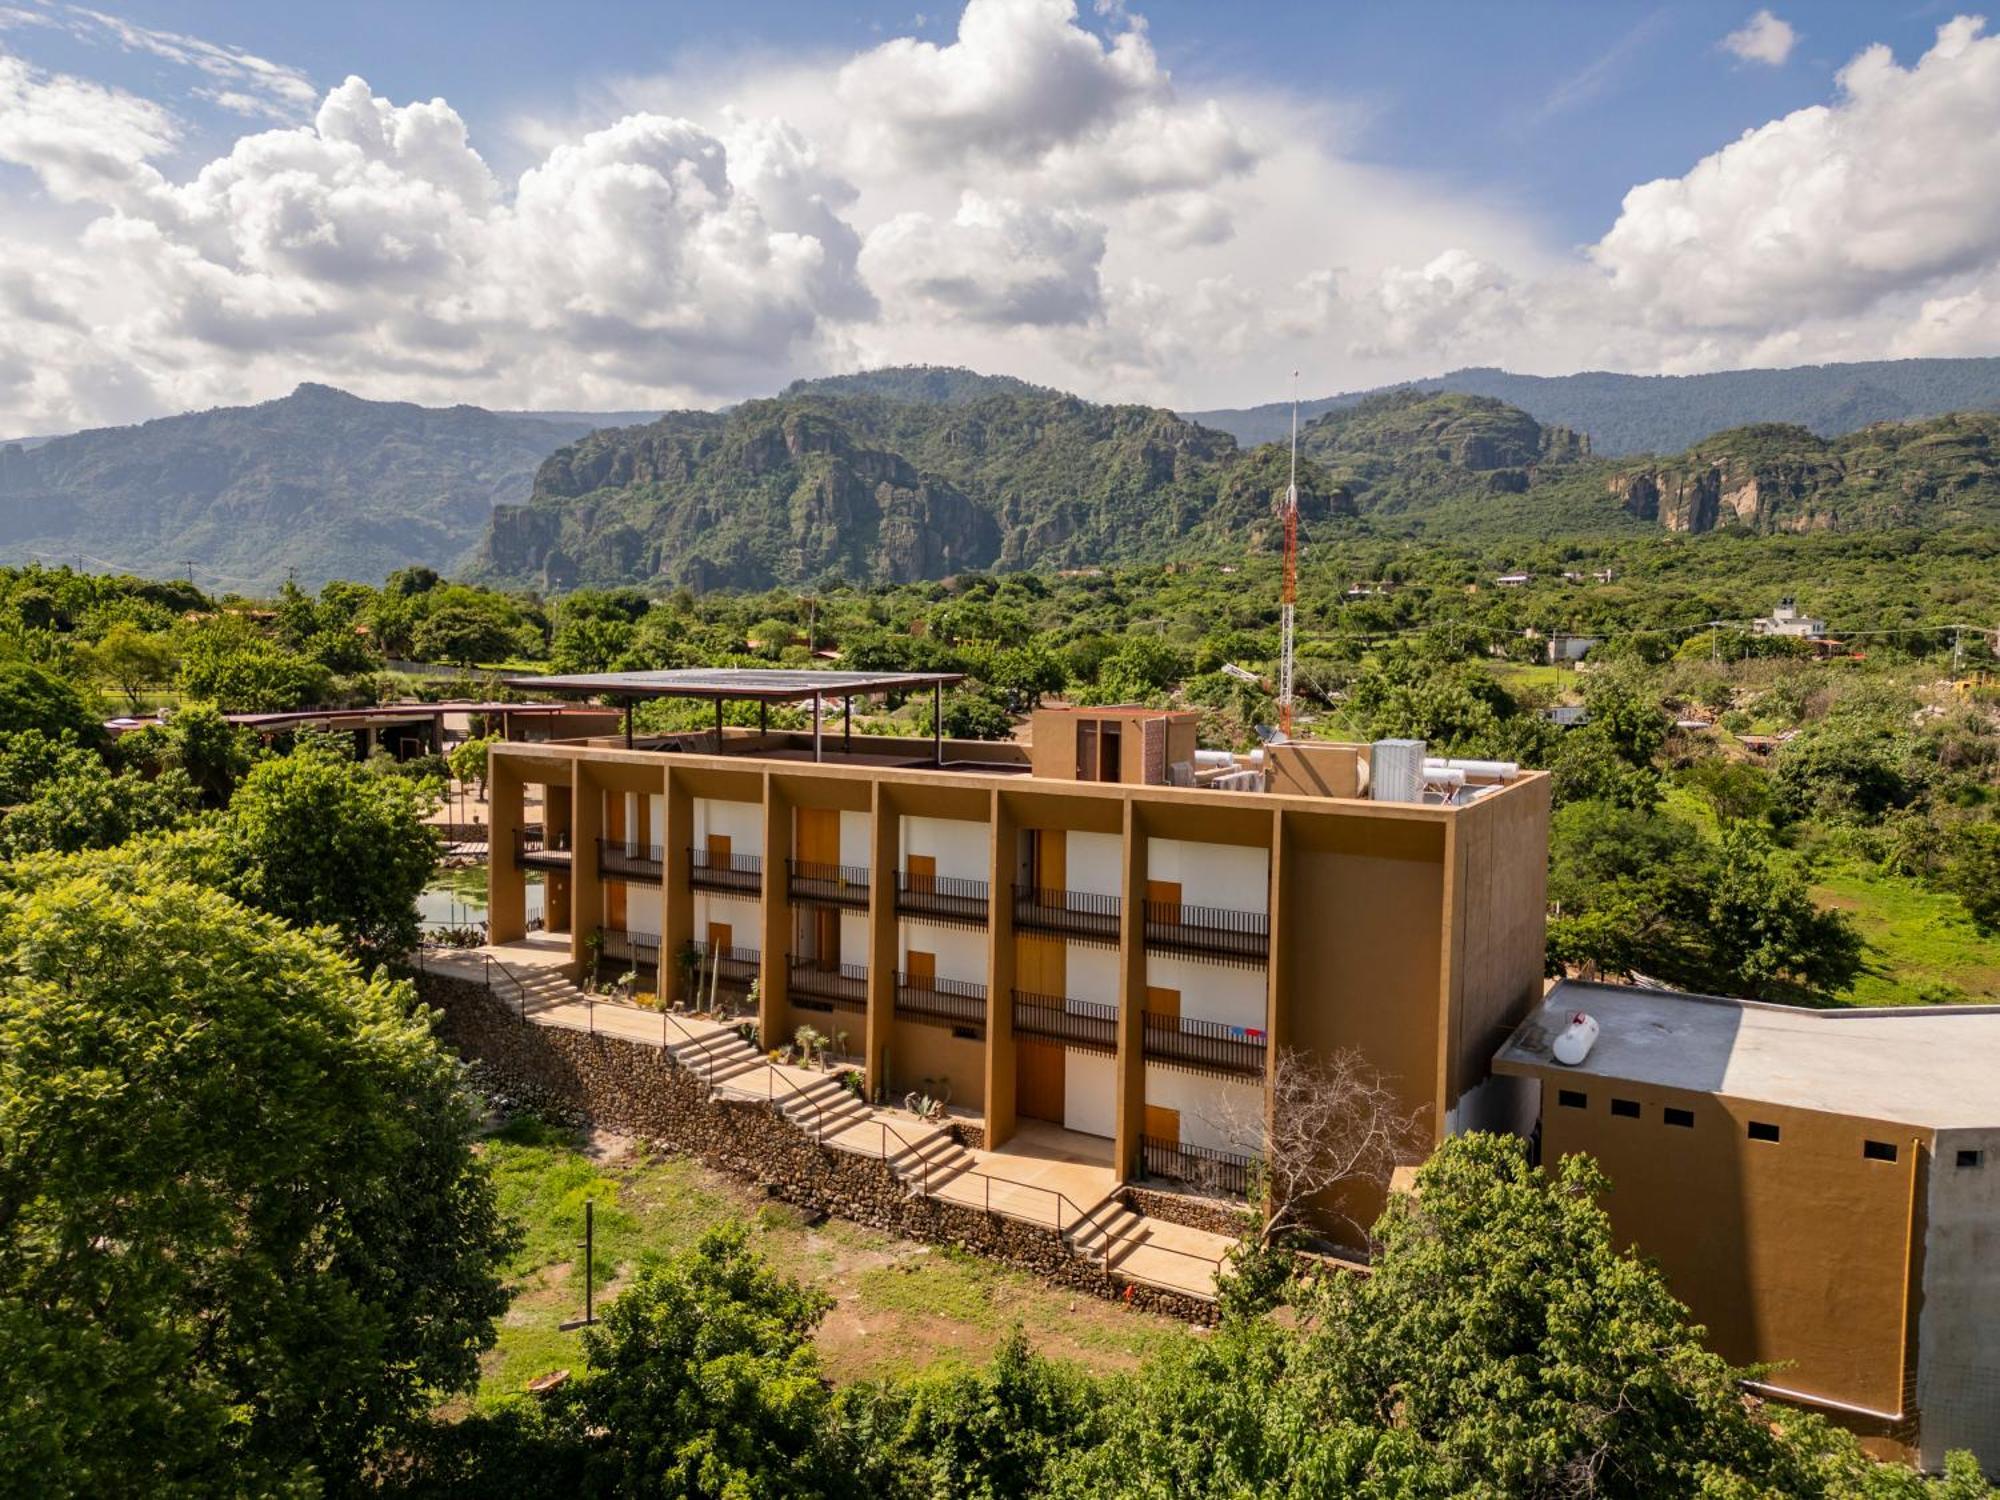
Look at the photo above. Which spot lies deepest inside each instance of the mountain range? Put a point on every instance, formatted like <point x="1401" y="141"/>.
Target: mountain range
<point x="318" y="484"/>
<point x="921" y="471"/>
<point x="1666" y="413"/>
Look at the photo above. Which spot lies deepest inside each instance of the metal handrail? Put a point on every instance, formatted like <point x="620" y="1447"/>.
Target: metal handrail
<point x="1076" y="914"/>
<point x="947" y="898"/>
<point x="730" y="872"/>
<point x="839" y="885"/>
<point x="843" y="984"/>
<point x="1203" y="1044"/>
<point x="819" y="1116"/>
<point x="628" y="857"/>
<point x="1217" y="930"/>
<point x="959" y="1002"/>
<point x="1197" y="1166"/>
<point x="1081" y="1023"/>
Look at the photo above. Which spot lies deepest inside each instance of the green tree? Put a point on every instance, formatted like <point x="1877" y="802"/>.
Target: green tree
<point x="244" y="1239"/>
<point x="251" y="675"/>
<point x="77" y="802"/>
<point x="1973" y="873"/>
<point x="315" y="838"/>
<point x="704" y="1381"/>
<point x="590" y="643"/>
<point x="462" y="636"/>
<point x="200" y="741"/>
<point x="132" y="660"/>
<point x="31" y="698"/>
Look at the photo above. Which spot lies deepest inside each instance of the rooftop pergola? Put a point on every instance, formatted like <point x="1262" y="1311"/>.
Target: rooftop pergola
<point x="756" y="684"/>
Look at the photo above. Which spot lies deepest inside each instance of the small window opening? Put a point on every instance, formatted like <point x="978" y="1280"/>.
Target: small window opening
<point x="1971" y="1158"/>
<point x="1763" y="1130"/>
<point x="1572" y="1099"/>
<point x="1878" y="1150"/>
<point x="1681" y="1117"/>
<point x="1627" y="1109"/>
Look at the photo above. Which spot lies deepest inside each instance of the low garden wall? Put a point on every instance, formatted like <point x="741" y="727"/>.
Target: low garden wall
<point x="637" y="1088"/>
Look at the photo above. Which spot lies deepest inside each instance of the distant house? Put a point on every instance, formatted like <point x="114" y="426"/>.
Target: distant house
<point x="1786" y="621"/>
<point x="1567" y="715"/>
<point x="1514" y="580"/>
<point x="1564" y="648"/>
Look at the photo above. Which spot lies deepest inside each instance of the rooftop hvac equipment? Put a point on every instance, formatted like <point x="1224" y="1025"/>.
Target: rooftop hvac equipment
<point x="1484" y="770"/>
<point x="1572" y="1045"/>
<point x="1396" y="771"/>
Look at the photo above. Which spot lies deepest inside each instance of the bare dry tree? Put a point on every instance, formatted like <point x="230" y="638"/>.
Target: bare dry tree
<point x="1332" y="1120"/>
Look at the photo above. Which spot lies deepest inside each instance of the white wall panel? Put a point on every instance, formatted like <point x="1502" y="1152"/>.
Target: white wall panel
<point x="1090" y="1093"/>
<point x="958" y="846"/>
<point x="1222" y="875"/>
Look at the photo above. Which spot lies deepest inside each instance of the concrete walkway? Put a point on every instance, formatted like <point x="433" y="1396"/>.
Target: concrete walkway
<point x="1047" y="1176"/>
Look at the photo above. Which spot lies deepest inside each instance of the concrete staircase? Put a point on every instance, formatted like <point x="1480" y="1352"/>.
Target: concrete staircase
<point x="1107" y="1233"/>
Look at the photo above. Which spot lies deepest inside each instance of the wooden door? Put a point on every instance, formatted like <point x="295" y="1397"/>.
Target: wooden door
<point x="1039" y="1081"/>
<point x="825" y="936"/>
<point x="1163" y="1124"/>
<point x="1163" y="900"/>
<point x="1163" y="1002"/>
<point x="1086" y="750"/>
<point x="718" y="851"/>
<point x="1040" y="965"/>
<point x="1048" y="858"/>
<point x="920" y="968"/>
<point x="1110" y="752"/>
<point x="721" y="935"/>
<point x="819" y="835"/>
<point x="922" y="869"/>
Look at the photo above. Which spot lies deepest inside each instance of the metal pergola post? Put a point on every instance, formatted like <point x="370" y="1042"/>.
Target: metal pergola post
<point x="628" y="723"/>
<point x="763" y="716"/>
<point x="718" y="724"/>
<point x="937" y="723"/>
<point x="847" y="725"/>
<point x="816" y="748"/>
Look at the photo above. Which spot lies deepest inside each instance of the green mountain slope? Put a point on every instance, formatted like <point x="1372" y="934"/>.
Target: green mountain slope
<point x="1667" y="413"/>
<point x="319" y="483"/>
<point x="786" y="490"/>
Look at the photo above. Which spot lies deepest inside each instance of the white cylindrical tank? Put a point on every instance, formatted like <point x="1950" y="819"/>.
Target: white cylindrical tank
<point x="1499" y="770"/>
<point x="1573" y="1045"/>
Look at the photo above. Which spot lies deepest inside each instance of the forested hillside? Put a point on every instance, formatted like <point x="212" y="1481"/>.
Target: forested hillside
<point x="318" y="485"/>
<point x="1665" y="413"/>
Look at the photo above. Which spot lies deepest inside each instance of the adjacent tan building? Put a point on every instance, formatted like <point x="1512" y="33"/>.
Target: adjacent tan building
<point x="1108" y="930"/>
<point x="1821" y="1188"/>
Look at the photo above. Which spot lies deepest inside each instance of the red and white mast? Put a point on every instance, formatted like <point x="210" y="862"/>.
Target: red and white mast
<point x="1290" y="597"/>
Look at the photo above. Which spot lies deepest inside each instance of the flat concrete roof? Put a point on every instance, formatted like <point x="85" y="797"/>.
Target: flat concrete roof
<point x="1935" y="1066"/>
<point x="769" y="686"/>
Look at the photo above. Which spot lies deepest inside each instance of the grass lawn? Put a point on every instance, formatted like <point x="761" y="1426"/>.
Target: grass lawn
<point x="1917" y="938"/>
<point x="899" y="1306"/>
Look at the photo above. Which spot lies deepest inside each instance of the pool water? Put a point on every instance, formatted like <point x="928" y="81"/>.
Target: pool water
<point x="457" y="897"/>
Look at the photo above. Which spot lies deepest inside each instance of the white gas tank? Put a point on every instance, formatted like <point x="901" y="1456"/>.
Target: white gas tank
<point x="1573" y="1044"/>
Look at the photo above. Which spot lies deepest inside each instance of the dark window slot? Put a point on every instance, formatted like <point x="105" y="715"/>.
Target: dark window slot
<point x="1681" y="1117"/>
<point x="1878" y="1150"/>
<point x="1761" y="1130"/>
<point x="1572" y="1099"/>
<point x="1625" y="1109"/>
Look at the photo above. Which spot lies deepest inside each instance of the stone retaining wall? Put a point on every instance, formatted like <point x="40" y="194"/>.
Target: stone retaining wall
<point x="639" y="1089"/>
<point x="1216" y="1215"/>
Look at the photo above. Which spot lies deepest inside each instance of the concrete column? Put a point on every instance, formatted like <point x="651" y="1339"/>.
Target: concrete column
<point x="586" y="888"/>
<point x="676" y="835"/>
<point x="506" y="887"/>
<point x="1001" y="1093"/>
<point x="1278" y="967"/>
<point x="774" y="1004"/>
<point x="556" y="828"/>
<point x="884" y="858"/>
<point x="1131" y="1118"/>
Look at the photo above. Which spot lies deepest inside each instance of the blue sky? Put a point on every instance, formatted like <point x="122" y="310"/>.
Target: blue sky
<point x="1171" y="201"/>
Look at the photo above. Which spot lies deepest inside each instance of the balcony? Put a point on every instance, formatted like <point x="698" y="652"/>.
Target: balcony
<point x="944" y="899"/>
<point x="627" y="860"/>
<point x="1074" y="1023"/>
<point x="538" y="851"/>
<point x="1081" y="915"/>
<point x="1201" y="1168"/>
<point x="730" y="874"/>
<point x="818" y="986"/>
<point x="827" y="885"/>
<point x="1204" y="1046"/>
<point x="1211" y="932"/>
<point x="940" y="1002"/>
<point x="635" y="948"/>
<point x="732" y="970"/>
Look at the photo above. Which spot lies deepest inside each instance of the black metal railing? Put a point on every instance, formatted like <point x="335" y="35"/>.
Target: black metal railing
<point x="833" y="986"/>
<point x="709" y="871"/>
<point x="630" y="860"/>
<point x="828" y="885"/>
<point x="1075" y="914"/>
<point x="940" y="1002"/>
<point x="1199" y="1167"/>
<point x="735" y="968"/>
<point x="1209" y="931"/>
<point x="538" y="848"/>
<point x="634" y="948"/>
<point x="1075" y="1023"/>
<point x="941" y="898"/>
<point x="1208" y="1045"/>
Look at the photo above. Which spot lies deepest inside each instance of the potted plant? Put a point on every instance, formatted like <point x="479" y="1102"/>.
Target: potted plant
<point x="811" y="1043"/>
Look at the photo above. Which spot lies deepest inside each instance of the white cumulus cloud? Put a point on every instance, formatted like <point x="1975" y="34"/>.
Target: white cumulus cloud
<point x="1762" y="39"/>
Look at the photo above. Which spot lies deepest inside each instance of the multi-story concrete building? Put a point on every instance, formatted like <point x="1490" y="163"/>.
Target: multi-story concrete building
<point x="1822" y="1188"/>
<point x="1107" y="930"/>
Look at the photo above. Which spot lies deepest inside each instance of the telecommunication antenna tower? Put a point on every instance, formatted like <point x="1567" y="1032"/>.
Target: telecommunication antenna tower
<point x="1290" y="597"/>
